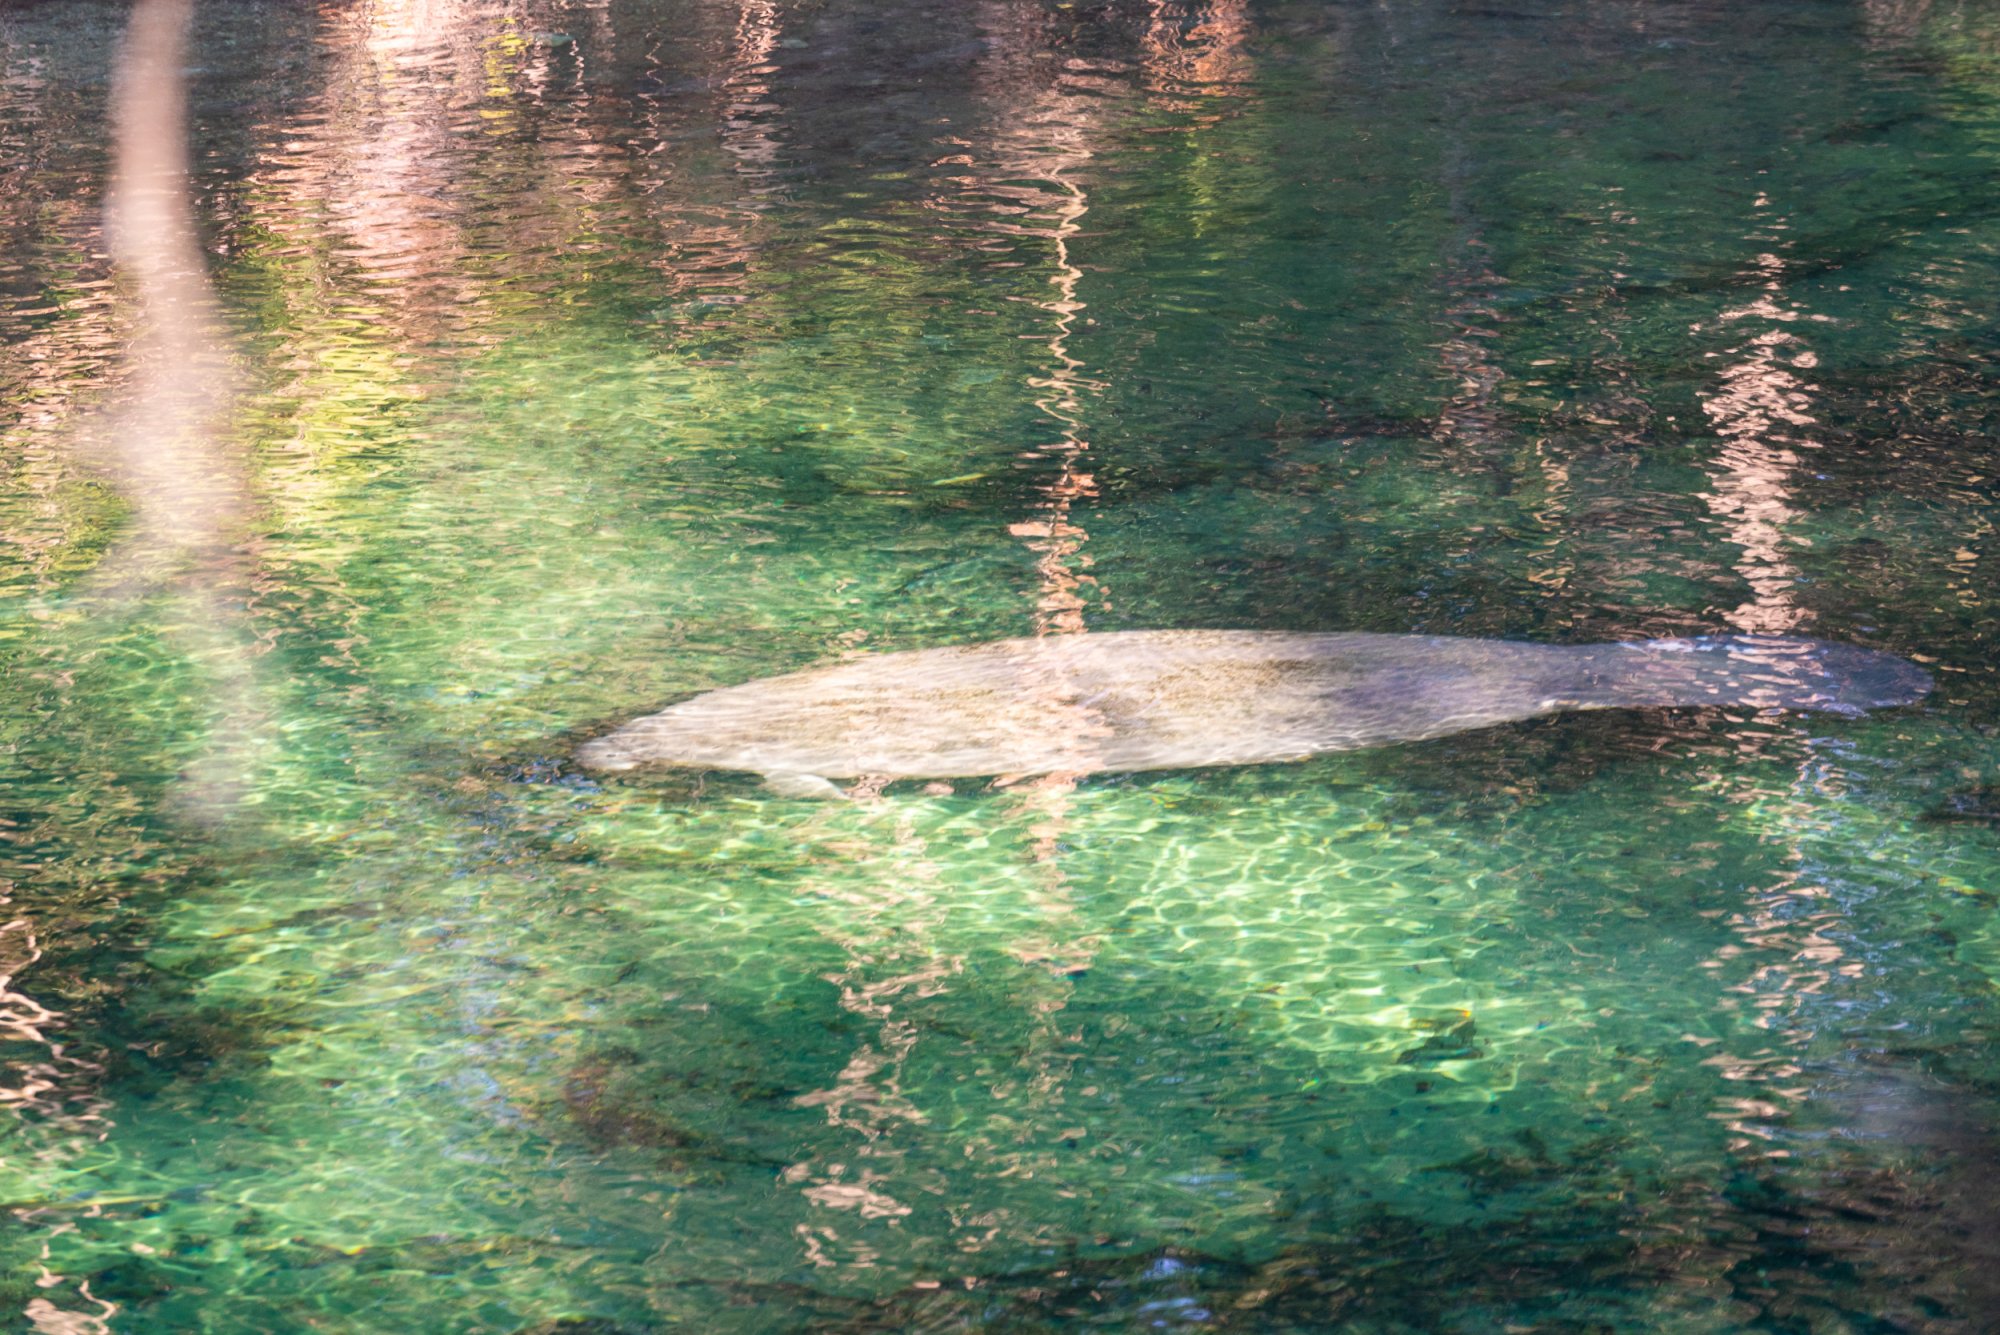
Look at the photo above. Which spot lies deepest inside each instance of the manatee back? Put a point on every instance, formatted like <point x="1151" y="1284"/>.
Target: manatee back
<point x="1143" y="700"/>
<point x="1133" y="700"/>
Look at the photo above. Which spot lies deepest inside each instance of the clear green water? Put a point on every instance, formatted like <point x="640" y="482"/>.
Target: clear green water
<point x="708" y="340"/>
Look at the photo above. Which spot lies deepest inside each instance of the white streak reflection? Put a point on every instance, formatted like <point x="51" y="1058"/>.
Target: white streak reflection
<point x="166" y="446"/>
<point x="1040" y="145"/>
<point x="1761" y="412"/>
<point x="1193" y="51"/>
<point x="1787" y="952"/>
<point x="707" y="243"/>
<point x="884" y="930"/>
<point x="749" y="127"/>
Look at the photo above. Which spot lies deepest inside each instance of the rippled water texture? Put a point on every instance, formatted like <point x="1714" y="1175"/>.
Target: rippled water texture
<point x="586" y="356"/>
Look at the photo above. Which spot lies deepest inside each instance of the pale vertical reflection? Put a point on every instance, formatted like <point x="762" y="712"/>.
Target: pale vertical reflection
<point x="359" y="195"/>
<point x="1052" y="533"/>
<point x="161" y="447"/>
<point x="49" y="1319"/>
<point x="388" y="197"/>
<point x="56" y="1092"/>
<point x="371" y="164"/>
<point x="407" y="204"/>
<point x="890" y="965"/>
<point x="1760" y="411"/>
<point x="1893" y="22"/>
<point x="1786" y="952"/>
<point x="706" y="244"/>
<point x="749" y="124"/>
<point x="417" y="177"/>
<point x="1041" y="139"/>
<point x="1040" y="149"/>
<point x="188" y="491"/>
<point x="58" y="347"/>
<point x="1470" y="414"/>
<point x="165" y="444"/>
<point x="886" y="928"/>
<point x="1019" y="176"/>
<point x="1966" y="581"/>
<point x="1193" y="51"/>
<point x="1555" y="566"/>
<point x="52" y="1088"/>
<point x="1468" y="421"/>
<point x="1195" y="67"/>
<point x="1023" y="176"/>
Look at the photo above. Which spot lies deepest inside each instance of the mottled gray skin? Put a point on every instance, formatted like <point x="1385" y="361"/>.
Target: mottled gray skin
<point x="1171" y="699"/>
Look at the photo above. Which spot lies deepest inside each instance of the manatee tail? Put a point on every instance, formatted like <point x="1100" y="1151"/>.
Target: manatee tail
<point x="1749" y="672"/>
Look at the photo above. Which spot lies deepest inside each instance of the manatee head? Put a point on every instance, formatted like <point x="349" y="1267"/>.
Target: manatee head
<point x="654" y="740"/>
<point x="606" y="753"/>
<point x="1858" y="678"/>
<point x="730" y="729"/>
<point x="1782" y="672"/>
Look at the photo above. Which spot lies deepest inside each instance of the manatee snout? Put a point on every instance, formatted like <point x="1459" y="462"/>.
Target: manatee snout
<point x="608" y="752"/>
<point x="1774" y="672"/>
<point x="1857" y="679"/>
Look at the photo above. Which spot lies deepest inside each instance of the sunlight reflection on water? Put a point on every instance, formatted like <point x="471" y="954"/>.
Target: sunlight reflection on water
<point x="590" y="357"/>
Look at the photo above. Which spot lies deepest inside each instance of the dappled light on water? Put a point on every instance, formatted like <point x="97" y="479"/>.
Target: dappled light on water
<point x="471" y="383"/>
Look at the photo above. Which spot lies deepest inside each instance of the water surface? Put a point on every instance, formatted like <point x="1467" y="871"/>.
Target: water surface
<point x="593" y="355"/>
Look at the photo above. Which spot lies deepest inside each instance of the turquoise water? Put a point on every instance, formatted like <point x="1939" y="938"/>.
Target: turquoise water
<point x="597" y="354"/>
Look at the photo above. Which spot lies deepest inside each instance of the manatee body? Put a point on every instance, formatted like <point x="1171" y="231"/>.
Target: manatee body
<point x="1171" y="699"/>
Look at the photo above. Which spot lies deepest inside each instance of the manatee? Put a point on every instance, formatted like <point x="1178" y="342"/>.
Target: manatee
<point x="1174" y="699"/>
